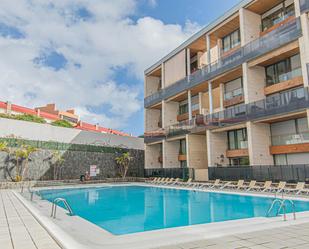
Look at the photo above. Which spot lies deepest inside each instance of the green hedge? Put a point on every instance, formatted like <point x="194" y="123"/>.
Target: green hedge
<point x="24" y="117"/>
<point x="50" y="145"/>
<point x="62" y="123"/>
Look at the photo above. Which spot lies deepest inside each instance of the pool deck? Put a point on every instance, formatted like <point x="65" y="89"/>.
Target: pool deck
<point x="295" y="236"/>
<point x="18" y="228"/>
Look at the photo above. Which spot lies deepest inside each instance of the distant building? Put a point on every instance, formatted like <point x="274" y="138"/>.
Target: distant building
<point x="68" y="115"/>
<point x="50" y="114"/>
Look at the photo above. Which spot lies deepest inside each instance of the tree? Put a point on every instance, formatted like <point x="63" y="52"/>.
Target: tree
<point x="28" y="151"/>
<point x="124" y="162"/>
<point x="56" y="161"/>
<point x="4" y="148"/>
<point x="22" y="157"/>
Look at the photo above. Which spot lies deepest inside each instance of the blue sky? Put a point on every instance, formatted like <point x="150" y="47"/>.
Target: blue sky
<point x="90" y="54"/>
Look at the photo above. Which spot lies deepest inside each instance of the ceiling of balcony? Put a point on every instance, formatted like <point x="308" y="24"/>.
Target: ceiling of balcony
<point x="225" y="28"/>
<point x="261" y="6"/>
<point x="228" y="76"/>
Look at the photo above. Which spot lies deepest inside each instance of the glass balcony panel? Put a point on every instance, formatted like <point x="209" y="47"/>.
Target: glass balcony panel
<point x="287" y="139"/>
<point x="233" y="94"/>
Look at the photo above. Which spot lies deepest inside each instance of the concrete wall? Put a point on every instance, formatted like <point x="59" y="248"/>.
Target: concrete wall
<point x="259" y="140"/>
<point x="152" y="118"/>
<point x="216" y="146"/>
<point x="46" y="132"/>
<point x="201" y="175"/>
<point x="253" y="83"/>
<point x="151" y="85"/>
<point x="175" y="68"/>
<point x="249" y="26"/>
<point x="152" y="153"/>
<point x="170" y="154"/>
<point x="214" y="55"/>
<point x="196" y="151"/>
<point x="75" y="164"/>
<point x="169" y="113"/>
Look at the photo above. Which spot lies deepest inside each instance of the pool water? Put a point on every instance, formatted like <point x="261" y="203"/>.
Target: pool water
<point x="130" y="209"/>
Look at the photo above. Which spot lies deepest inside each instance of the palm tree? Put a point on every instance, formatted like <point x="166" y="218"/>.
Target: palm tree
<point x="124" y="161"/>
<point x="28" y="151"/>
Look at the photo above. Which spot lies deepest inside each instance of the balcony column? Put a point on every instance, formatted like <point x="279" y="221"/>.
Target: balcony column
<point x="219" y="46"/>
<point x="188" y="60"/>
<point x="221" y="96"/>
<point x="208" y="49"/>
<point x="210" y="97"/>
<point x="304" y="47"/>
<point x="190" y="104"/>
<point x="162" y="75"/>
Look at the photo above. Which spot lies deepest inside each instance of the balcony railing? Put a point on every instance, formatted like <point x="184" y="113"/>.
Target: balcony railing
<point x="304" y="6"/>
<point x="286" y="76"/>
<point x="290" y="101"/>
<point x="284" y="34"/>
<point x="233" y="94"/>
<point x="287" y="139"/>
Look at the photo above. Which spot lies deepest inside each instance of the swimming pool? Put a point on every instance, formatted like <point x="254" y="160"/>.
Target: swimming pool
<point x="131" y="209"/>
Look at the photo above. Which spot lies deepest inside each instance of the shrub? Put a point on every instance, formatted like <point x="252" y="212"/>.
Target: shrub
<point x="62" y="123"/>
<point x="24" y="117"/>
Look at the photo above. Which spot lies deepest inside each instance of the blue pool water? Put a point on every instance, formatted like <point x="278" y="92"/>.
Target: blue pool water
<point x="130" y="209"/>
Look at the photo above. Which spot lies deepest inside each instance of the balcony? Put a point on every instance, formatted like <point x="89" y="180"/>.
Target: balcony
<point x="287" y="102"/>
<point x="283" y="35"/>
<point x="288" y="139"/>
<point x="286" y="81"/>
<point x="234" y="97"/>
<point x="279" y="22"/>
<point x="304" y="6"/>
<point x="290" y="143"/>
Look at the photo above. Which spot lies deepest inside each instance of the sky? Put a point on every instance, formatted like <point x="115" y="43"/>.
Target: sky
<point x="90" y="55"/>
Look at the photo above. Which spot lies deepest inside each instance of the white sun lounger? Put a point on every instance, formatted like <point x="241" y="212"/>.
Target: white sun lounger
<point x="299" y="188"/>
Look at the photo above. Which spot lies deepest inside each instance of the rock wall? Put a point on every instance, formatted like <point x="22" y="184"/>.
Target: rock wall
<point x="75" y="164"/>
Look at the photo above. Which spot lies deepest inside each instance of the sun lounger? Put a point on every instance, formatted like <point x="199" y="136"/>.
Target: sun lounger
<point x="169" y="181"/>
<point x="232" y="185"/>
<point x="174" y="182"/>
<point x="279" y="188"/>
<point x="299" y="188"/>
<point x="187" y="183"/>
<point x="265" y="187"/>
<point x="162" y="180"/>
<point x="248" y="187"/>
<point x="153" y="180"/>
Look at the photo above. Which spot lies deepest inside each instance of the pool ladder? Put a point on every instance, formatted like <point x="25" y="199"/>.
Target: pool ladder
<point x="54" y="207"/>
<point x="282" y="206"/>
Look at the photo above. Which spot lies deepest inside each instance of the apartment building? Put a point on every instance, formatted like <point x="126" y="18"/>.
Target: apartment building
<point x="235" y="93"/>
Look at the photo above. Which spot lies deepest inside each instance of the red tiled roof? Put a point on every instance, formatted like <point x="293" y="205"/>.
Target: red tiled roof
<point x="81" y="126"/>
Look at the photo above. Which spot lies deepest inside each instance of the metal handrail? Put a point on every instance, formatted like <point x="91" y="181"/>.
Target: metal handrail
<point x="54" y="207"/>
<point x="282" y="206"/>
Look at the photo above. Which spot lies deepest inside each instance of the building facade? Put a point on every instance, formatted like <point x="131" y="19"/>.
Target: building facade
<point x="235" y="93"/>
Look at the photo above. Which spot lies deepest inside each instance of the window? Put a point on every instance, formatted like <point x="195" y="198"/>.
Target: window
<point x="183" y="107"/>
<point x="230" y="41"/>
<point x="283" y="70"/>
<point x="183" y="164"/>
<point x="293" y="131"/>
<point x="239" y="161"/>
<point x="237" y="139"/>
<point x="277" y="14"/>
<point x="233" y="88"/>
<point x="183" y="147"/>
<point x="195" y="103"/>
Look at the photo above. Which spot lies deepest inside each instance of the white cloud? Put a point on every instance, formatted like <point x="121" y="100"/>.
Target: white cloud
<point x="108" y="39"/>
